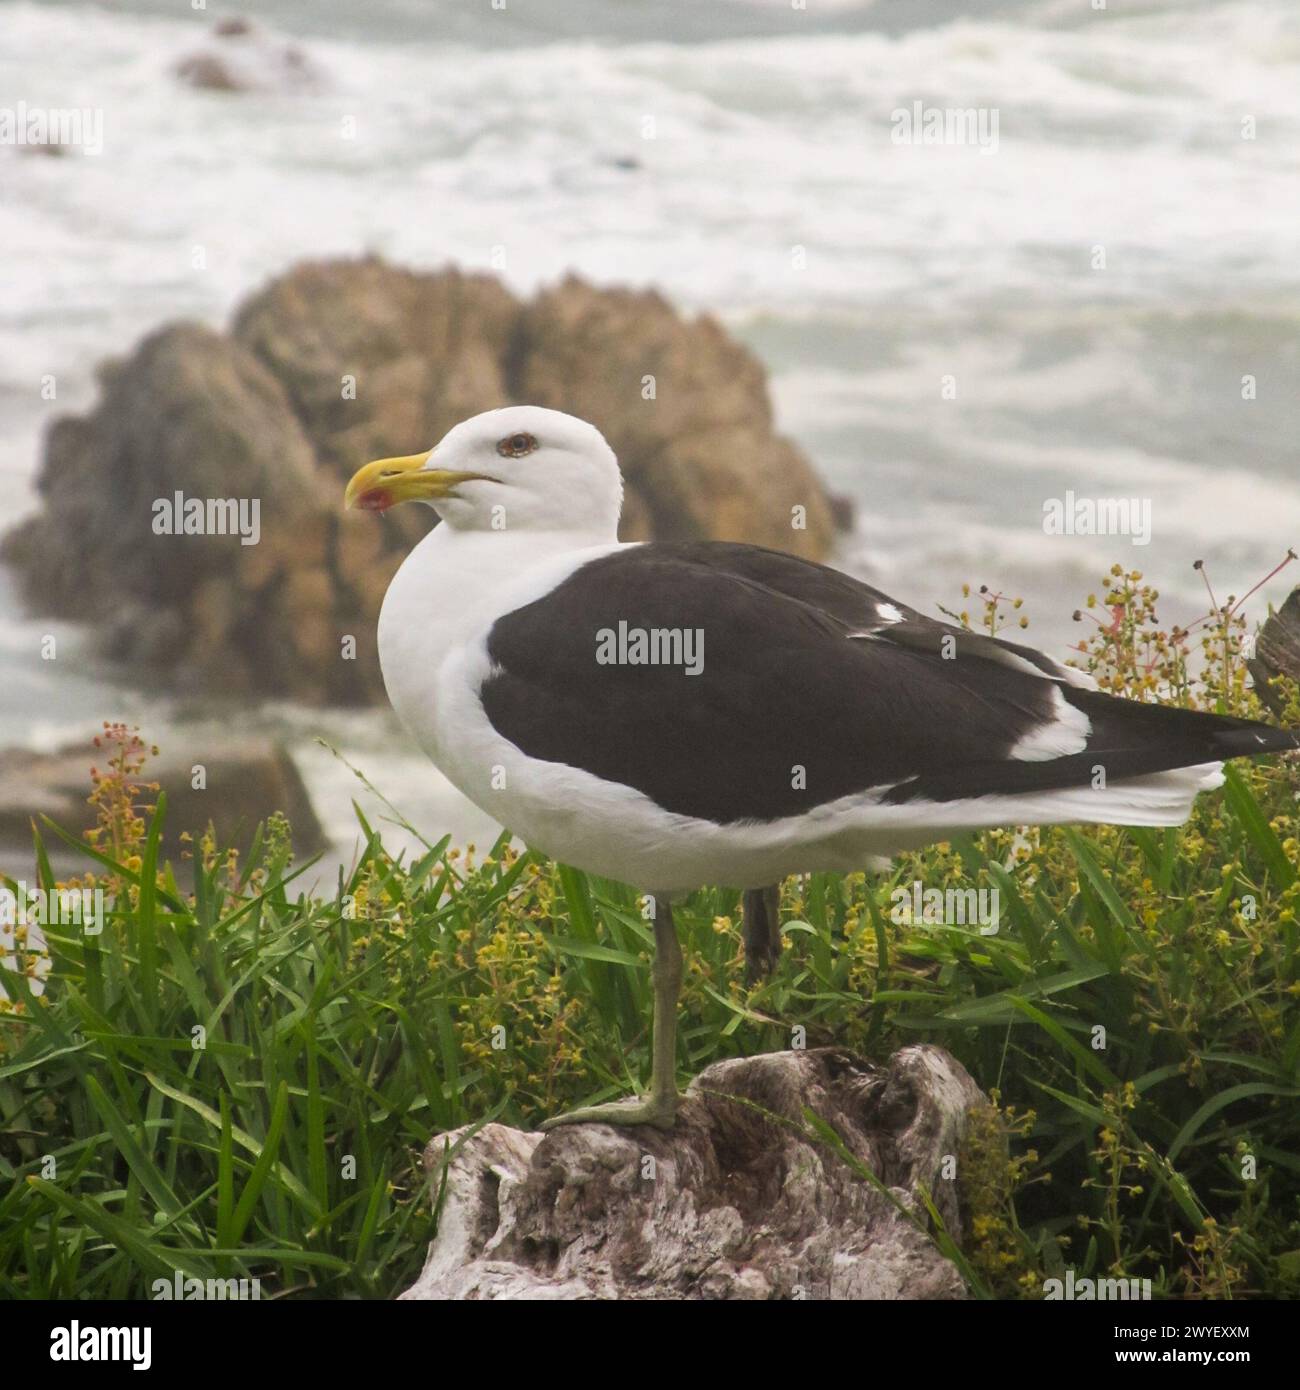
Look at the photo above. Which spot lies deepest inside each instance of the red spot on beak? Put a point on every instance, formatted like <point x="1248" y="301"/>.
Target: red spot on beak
<point x="378" y="499"/>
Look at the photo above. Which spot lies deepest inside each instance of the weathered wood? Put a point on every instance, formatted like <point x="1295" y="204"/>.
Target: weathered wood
<point x="1277" y="652"/>
<point x="739" y="1200"/>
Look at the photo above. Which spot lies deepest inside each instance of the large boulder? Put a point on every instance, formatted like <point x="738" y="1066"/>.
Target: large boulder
<point x="742" y="1199"/>
<point x="338" y="362"/>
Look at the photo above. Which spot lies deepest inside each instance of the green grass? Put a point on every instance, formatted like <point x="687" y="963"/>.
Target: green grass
<point x="340" y="1034"/>
<point x="239" y="1081"/>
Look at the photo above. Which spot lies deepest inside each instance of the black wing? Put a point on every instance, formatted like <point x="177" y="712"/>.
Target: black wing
<point x="813" y="686"/>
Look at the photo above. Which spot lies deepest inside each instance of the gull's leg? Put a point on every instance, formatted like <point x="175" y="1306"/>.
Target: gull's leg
<point x="761" y="917"/>
<point x="660" y="1106"/>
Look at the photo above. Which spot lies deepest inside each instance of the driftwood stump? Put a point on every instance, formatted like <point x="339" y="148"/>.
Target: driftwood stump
<point x="739" y="1200"/>
<point x="1277" y="652"/>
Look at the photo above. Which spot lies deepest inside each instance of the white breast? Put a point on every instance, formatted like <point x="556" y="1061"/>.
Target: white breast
<point x="434" y="625"/>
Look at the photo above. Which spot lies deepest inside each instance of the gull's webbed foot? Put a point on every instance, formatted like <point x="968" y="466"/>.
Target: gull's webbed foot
<point x="646" y="1110"/>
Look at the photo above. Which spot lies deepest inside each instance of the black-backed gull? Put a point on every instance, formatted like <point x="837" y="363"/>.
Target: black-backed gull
<point x="672" y="715"/>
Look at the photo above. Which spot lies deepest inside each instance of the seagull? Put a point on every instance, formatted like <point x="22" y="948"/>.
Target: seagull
<point x="678" y="714"/>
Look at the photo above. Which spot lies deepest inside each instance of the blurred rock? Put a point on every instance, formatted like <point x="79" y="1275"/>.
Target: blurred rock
<point x="843" y="511"/>
<point x="339" y="362"/>
<point x="701" y="453"/>
<point x="240" y="56"/>
<point x="246" y="780"/>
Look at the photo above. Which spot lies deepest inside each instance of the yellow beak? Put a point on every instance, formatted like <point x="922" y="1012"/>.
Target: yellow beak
<point x="386" y="482"/>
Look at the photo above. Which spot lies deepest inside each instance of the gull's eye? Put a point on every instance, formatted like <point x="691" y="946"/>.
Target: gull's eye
<point x="515" y="446"/>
